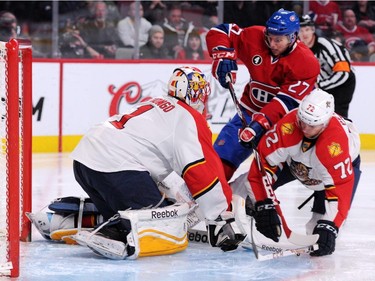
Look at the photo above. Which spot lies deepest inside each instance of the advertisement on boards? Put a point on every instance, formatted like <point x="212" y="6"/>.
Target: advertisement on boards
<point x="70" y="97"/>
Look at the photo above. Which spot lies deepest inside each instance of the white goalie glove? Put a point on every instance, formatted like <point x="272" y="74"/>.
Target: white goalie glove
<point x="175" y="189"/>
<point x="224" y="232"/>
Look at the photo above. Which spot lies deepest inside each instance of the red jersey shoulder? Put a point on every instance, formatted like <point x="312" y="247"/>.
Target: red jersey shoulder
<point x="253" y="36"/>
<point x="333" y="142"/>
<point x="200" y="121"/>
<point x="287" y="129"/>
<point x="287" y="133"/>
<point x="302" y="62"/>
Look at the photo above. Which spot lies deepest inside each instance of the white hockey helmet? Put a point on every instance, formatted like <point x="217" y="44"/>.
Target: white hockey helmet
<point x="189" y="84"/>
<point x="316" y="108"/>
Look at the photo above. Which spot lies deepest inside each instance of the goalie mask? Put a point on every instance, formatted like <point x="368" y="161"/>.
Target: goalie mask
<point x="316" y="108"/>
<point x="189" y="84"/>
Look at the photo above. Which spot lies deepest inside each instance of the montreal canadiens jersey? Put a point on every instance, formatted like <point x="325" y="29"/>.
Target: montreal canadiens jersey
<point x="321" y="164"/>
<point x="160" y="136"/>
<point x="277" y="85"/>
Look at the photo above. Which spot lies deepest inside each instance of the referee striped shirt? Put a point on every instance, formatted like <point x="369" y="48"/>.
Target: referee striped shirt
<point x="335" y="62"/>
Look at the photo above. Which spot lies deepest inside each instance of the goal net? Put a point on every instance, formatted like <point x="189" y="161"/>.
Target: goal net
<point x="15" y="151"/>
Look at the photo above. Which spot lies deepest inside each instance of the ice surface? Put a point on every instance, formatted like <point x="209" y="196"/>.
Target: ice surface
<point x="354" y="258"/>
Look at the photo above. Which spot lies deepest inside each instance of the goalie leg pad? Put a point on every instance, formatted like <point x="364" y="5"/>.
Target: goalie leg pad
<point x="65" y="217"/>
<point x="158" y="231"/>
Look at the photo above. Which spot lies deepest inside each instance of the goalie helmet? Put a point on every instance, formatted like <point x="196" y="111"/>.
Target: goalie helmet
<point x="189" y="84"/>
<point x="316" y="108"/>
<point x="283" y="22"/>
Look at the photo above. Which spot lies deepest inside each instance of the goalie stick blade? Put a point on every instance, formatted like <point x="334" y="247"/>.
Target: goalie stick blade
<point x="303" y="240"/>
<point x="198" y="236"/>
<point x="287" y="252"/>
<point x="253" y="246"/>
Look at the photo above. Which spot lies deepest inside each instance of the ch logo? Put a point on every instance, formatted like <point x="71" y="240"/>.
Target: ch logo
<point x="257" y="60"/>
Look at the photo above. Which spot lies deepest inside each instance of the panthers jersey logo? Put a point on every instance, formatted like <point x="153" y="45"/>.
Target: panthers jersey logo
<point x="334" y="149"/>
<point x="287" y="128"/>
<point x="301" y="172"/>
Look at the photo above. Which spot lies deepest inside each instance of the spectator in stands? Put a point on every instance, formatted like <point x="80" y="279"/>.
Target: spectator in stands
<point x="193" y="49"/>
<point x="359" y="51"/>
<point x="154" y="49"/>
<point x="248" y="13"/>
<point x="176" y="30"/>
<point x="112" y="12"/>
<point x="9" y="29"/>
<point x="326" y="14"/>
<point x="8" y="26"/>
<point x="352" y="32"/>
<point x="155" y="11"/>
<point x="365" y="13"/>
<point x="99" y="33"/>
<point x="72" y="45"/>
<point x="126" y="27"/>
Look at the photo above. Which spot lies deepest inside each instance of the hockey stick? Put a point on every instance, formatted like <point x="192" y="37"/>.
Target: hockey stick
<point x="277" y="252"/>
<point x="295" y="238"/>
<point x="306" y="201"/>
<point x="236" y="104"/>
<point x="201" y="237"/>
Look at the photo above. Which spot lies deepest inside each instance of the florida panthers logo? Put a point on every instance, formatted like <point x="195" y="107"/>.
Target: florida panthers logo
<point x="257" y="60"/>
<point x="302" y="173"/>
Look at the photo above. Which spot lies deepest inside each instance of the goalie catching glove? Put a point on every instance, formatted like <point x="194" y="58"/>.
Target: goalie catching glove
<point x="224" y="232"/>
<point x="251" y="134"/>
<point x="224" y="65"/>
<point x="267" y="221"/>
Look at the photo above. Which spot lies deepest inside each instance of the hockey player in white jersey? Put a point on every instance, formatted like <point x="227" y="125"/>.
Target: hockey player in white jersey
<point x="321" y="150"/>
<point x="119" y="162"/>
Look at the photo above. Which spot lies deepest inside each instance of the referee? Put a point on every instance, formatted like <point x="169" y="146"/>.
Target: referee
<point x="336" y="73"/>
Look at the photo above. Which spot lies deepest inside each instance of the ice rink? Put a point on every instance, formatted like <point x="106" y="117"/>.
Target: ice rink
<point x="354" y="258"/>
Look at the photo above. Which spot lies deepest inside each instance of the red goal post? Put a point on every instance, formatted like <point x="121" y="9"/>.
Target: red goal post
<point x="16" y="151"/>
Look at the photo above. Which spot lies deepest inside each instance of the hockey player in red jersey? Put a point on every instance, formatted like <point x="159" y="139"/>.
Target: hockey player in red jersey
<point x="120" y="161"/>
<point x="282" y="71"/>
<point x="321" y="150"/>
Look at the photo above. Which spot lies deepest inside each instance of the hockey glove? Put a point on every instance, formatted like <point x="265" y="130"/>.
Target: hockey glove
<point x="267" y="221"/>
<point x="327" y="231"/>
<point x="224" y="233"/>
<point x="251" y="134"/>
<point x="224" y="65"/>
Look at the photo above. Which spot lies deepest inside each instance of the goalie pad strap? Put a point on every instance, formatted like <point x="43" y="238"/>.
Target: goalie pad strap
<point x="73" y="204"/>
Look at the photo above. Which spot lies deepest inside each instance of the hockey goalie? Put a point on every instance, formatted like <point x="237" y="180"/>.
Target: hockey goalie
<point x="120" y="162"/>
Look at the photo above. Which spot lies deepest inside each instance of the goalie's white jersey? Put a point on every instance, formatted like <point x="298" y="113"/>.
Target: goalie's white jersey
<point x="159" y="136"/>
